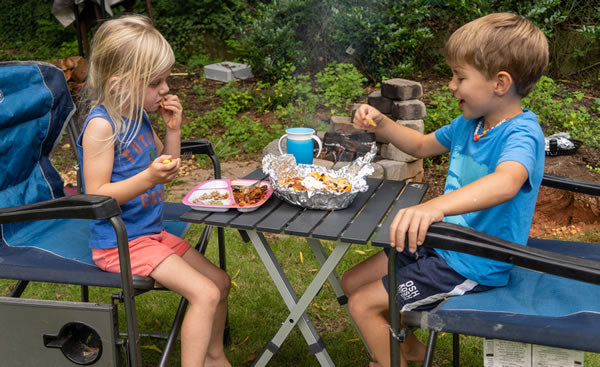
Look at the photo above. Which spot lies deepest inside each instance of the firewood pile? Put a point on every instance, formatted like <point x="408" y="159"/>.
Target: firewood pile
<point x="75" y="69"/>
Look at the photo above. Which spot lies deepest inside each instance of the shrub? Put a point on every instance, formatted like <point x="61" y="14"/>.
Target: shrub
<point x="339" y="85"/>
<point x="558" y="111"/>
<point x="442" y="108"/>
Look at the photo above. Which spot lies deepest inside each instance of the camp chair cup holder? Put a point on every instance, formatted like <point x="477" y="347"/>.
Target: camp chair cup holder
<point x="79" y="343"/>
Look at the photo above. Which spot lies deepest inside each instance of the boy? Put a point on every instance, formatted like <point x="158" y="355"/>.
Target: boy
<point x="495" y="170"/>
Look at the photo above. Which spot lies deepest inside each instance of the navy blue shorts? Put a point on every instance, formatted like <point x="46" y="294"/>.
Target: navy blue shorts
<point x="424" y="279"/>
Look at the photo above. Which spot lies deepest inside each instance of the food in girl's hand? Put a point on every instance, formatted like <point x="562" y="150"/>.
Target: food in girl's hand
<point x="213" y="197"/>
<point x="162" y="102"/>
<point x="249" y="195"/>
<point x="166" y="161"/>
<point x="370" y="121"/>
<point x="316" y="181"/>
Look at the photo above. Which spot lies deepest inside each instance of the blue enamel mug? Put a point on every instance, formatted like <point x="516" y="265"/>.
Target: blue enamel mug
<point x="300" y="144"/>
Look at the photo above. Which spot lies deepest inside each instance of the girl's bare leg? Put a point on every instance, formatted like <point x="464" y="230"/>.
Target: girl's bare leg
<point x="216" y="354"/>
<point x="204" y="298"/>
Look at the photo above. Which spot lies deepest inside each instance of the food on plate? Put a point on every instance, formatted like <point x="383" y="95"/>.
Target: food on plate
<point x="213" y="197"/>
<point x="316" y="181"/>
<point x="249" y="195"/>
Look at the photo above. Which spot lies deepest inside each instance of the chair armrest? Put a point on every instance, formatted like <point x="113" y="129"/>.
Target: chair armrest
<point x="563" y="183"/>
<point x="202" y="146"/>
<point x="197" y="146"/>
<point x="76" y="206"/>
<point x="453" y="237"/>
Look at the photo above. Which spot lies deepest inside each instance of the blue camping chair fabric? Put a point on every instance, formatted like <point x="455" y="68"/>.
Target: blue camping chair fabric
<point x="551" y="299"/>
<point x="43" y="233"/>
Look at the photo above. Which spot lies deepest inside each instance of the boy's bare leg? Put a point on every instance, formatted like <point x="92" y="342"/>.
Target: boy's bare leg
<point x="368" y="306"/>
<point x="375" y="267"/>
<point x="204" y="298"/>
<point x="215" y="354"/>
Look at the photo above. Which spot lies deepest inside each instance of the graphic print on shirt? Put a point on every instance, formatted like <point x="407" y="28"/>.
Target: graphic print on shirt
<point x="142" y="145"/>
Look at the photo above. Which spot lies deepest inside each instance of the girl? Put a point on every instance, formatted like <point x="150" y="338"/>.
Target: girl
<point x="123" y="158"/>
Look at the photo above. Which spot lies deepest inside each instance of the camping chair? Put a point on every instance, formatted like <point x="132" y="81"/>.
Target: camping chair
<point x="44" y="235"/>
<point x="551" y="298"/>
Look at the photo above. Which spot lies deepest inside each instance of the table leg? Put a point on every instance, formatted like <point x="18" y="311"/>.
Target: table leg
<point x="334" y="280"/>
<point x="297" y="307"/>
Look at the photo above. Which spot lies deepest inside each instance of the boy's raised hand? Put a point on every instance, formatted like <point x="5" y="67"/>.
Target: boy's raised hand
<point x="171" y="111"/>
<point x="367" y="117"/>
<point x="163" y="169"/>
<point x="412" y="223"/>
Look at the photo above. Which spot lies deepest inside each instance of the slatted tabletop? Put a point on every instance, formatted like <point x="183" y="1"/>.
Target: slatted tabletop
<point x="370" y="213"/>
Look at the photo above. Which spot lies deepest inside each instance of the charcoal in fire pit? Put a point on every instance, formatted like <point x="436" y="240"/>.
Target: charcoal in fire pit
<point x="346" y="148"/>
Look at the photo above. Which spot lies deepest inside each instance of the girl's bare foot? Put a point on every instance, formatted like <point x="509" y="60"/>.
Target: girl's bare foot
<point x="217" y="362"/>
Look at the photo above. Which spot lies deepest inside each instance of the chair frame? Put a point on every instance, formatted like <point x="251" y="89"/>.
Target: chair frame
<point x="457" y="238"/>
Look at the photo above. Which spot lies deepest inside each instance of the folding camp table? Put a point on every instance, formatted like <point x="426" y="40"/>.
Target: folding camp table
<point x="369" y="213"/>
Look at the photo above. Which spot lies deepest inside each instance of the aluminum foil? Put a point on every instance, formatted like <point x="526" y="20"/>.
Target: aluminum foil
<point x="284" y="166"/>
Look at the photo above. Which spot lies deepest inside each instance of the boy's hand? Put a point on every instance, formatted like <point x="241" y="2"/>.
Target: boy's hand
<point x="163" y="169"/>
<point x="171" y="111"/>
<point x="367" y="118"/>
<point x="413" y="223"/>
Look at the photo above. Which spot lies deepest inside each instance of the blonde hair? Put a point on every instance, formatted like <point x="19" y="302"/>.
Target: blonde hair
<point x="128" y="53"/>
<point x="501" y="42"/>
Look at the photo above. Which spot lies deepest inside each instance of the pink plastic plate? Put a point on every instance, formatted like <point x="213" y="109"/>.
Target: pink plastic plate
<point x="217" y="196"/>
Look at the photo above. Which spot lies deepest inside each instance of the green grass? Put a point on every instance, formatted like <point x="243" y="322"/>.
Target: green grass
<point x="256" y="309"/>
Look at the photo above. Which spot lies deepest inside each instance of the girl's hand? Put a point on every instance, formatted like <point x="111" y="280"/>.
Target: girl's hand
<point x="367" y="118"/>
<point x="163" y="169"/>
<point x="171" y="111"/>
<point x="413" y="222"/>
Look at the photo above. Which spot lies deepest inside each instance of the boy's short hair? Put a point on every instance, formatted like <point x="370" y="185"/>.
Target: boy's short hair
<point x="501" y="42"/>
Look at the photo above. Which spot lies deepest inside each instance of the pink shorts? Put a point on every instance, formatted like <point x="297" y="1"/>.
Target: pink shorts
<point x="145" y="253"/>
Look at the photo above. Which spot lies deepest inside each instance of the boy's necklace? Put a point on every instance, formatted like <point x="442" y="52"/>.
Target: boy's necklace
<point x="476" y="136"/>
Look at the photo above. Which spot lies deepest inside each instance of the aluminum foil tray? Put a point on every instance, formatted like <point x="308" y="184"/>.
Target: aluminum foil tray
<point x="282" y="168"/>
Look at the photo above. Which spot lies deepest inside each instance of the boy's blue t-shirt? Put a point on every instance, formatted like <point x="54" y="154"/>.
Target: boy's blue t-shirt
<point x="520" y="139"/>
<point x="143" y="214"/>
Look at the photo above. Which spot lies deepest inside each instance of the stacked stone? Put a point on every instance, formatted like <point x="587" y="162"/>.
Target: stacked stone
<point x="399" y="100"/>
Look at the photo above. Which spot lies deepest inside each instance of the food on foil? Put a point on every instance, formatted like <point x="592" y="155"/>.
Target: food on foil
<point x="313" y="186"/>
<point x="316" y="181"/>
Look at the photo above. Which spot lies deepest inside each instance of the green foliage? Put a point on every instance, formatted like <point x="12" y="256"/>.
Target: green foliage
<point x="30" y="31"/>
<point x="442" y="108"/>
<point x="339" y="85"/>
<point x="235" y="99"/>
<point x="252" y="135"/>
<point x="197" y="88"/>
<point x="383" y="37"/>
<point x="193" y="27"/>
<point x="558" y="111"/>
<point x="289" y="88"/>
<point x="271" y="42"/>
